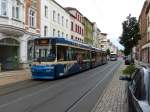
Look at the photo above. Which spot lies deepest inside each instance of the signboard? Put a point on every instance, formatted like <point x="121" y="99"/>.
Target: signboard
<point x="42" y="42"/>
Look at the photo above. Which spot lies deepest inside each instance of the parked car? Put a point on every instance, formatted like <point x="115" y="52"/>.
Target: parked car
<point x="138" y="90"/>
<point x="128" y="61"/>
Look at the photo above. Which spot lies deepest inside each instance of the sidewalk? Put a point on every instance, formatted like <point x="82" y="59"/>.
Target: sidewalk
<point x="9" y="77"/>
<point x="114" y="98"/>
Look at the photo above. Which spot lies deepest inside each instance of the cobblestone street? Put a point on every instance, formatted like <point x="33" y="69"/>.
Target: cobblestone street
<point x="114" y="98"/>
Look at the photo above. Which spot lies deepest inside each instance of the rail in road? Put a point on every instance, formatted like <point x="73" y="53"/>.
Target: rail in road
<point x="78" y="93"/>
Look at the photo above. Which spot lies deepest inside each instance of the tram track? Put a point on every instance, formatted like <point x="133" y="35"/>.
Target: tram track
<point x="12" y="88"/>
<point x="68" y="84"/>
<point x="70" y="108"/>
<point x="9" y="89"/>
<point x="33" y="109"/>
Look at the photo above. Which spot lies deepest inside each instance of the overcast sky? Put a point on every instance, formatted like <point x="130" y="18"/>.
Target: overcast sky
<point x="108" y="14"/>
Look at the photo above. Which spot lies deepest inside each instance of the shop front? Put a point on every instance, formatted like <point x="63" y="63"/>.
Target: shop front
<point x="9" y="54"/>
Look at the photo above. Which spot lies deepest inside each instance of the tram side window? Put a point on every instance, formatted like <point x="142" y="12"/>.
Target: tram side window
<point x="86" y="55"/>
<point x="61" y="53"/>
<point x="71" y="54"/>
<point x="45" y="54"/>
<point x="51" y="53"/>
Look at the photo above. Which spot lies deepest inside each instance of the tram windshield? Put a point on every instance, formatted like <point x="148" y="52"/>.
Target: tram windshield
<point x="45" y="53"/>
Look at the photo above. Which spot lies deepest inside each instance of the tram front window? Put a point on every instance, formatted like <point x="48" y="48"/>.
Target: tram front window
<point x="45" y="53"/>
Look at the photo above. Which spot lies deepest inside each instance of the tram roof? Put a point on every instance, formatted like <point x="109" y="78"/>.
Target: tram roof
<point x="69" y="42"/>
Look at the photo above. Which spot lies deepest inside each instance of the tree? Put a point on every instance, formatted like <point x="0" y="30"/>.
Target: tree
<point x="108" y="52"/>
<point x="130" y="34"/>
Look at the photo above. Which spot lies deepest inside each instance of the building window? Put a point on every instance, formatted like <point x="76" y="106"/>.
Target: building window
<point x="15" y="12"/>
<point x="80" y="30"/>
<point x="66" y="35"/>
<point x="33" y="3"/>
<point x="32" y="18"/>
<point x="53" y="32"/>
<point x="71" y="26"/>
<point x="71" y="36"/>
<point x="76" y="15"/>
<point x="58" y="18"/>
<point x="45" y="30"/>
<point x="46" y="11"/>
<point x="62" y="20"/>
<point x="66" y="23"/>
<point x="76" y="28"/>
<point x="4" y="5"/>
<point x="62" y="34"/>
<point x="54" y="15"/>
<point x="80" y="19"/>
<point x="58" y="33"/>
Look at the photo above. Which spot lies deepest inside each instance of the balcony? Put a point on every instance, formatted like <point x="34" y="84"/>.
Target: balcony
<point x="10" y="26"/>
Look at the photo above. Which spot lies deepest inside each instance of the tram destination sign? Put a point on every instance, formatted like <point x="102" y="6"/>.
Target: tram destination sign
<point x="42" y="42"/>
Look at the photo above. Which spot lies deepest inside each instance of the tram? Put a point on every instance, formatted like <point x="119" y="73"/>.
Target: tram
<point x="57" y="57"/>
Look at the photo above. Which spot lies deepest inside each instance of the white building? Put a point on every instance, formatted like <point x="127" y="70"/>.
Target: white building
<point x="103" y="41"/>
<point x="11" y="32"/>
<point x="95" y="34"/>
<point x="55" y="21"/>
<point x="18" y="24"/>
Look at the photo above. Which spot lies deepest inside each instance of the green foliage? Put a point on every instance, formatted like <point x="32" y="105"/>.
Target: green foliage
<point x="129" y="70"/>
<point x="88" y="27"/>
<point x="108" y="52"/>
<point x="130" y="34"/>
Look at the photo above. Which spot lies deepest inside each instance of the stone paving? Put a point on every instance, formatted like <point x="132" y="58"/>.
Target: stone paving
<point x="14" y="76"/>
<point x="114" y="98"/>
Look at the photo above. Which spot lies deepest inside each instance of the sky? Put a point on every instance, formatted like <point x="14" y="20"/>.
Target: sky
<point x="108" y="14"/>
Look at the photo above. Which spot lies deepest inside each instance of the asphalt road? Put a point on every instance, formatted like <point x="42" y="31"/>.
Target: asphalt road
<point x="78" y="93"/>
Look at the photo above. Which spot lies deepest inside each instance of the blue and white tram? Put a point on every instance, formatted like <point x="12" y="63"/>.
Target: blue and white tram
<point x="56" y="57"/>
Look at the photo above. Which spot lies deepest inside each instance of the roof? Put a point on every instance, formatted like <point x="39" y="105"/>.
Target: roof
<point x="58" y="5"/>
<point x="69" y="42"/>
<point x="104" y="33"/>
<point x="88" y="20"/>
<point x="72" y="8"/>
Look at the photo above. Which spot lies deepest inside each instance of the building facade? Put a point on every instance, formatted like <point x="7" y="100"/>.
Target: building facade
<point x="88" y="31"/>
<point x="142" y="49"/>
<point x="55" y="21"/>
<point x="15" y="33"/>
<point x="32" y="27"/>
<point x="103" y="41"/>
<point x="77" y="26"/>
